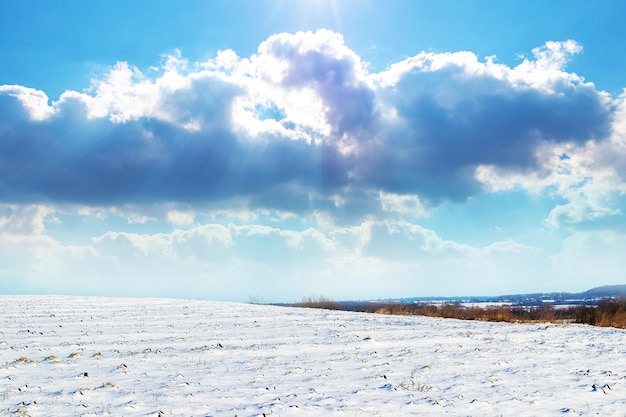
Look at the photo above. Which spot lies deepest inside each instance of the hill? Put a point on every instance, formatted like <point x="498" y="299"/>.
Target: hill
<point x="589" y="297"/>
<point x="606" y="291"/>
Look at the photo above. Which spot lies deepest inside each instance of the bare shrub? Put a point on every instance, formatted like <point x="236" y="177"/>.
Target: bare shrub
<point x="608" y="312"/>
<point x="318" y="302"/>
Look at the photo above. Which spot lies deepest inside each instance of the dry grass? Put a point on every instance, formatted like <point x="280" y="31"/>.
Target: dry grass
<point x="457" y="311"/>
<point x="413" y="384"/>
<point x="52" y="359"/>
<point x="608" y="312"/>
<point x="318" y="302"/>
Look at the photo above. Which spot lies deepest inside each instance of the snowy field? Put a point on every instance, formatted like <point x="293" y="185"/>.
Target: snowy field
<point x="80" y="356"/>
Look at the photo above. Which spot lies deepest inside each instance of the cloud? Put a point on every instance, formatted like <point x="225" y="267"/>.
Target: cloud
<point x="28" y="254"/>
<point x="588" y="180"/>
<point x="301" y="126"/>
<point x="372" y="259"/>
<point x="219" y="261"/>
<point x="454" y="113"/>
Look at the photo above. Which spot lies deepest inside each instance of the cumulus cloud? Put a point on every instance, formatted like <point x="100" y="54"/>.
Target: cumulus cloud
<point x="454" y="113"/>
<point x="28" y="254"/>
<point x="301" y="126"/>
<point x="372" y="259"/>
<point x="587" y="179"/>
<point x="222" y="260"/>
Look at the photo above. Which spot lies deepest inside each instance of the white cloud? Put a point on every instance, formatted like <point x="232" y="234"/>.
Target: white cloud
<point x="587" y="177"/>
<point x="27" y="252"/>
<point x="35" y="101"/>
<point x="591" y="258"/>
<point x="406" y="205"/>
<point x="545" y="71"/>
<point x="374" y="259"/>
<point x="180" y="217"/>
<point x="24" y="220"/>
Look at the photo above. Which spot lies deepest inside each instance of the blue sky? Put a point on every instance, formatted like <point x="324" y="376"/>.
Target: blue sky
<point x="273" y="150"/>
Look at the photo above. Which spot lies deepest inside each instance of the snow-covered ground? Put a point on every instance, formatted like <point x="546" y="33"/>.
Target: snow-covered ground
<point x="83" y="356"/>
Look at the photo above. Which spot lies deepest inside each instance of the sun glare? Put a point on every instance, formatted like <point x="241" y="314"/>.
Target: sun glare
<point x="311" y="14"/>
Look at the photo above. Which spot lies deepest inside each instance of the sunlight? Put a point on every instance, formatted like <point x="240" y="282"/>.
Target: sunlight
<point x="309" y="14"/>
<point x="327" y="7"/>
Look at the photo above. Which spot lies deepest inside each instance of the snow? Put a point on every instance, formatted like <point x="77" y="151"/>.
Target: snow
<point x="87" y="356"/>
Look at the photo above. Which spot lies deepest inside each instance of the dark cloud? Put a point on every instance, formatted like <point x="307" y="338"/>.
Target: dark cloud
<point x="451" y="122"/>
<point x="350" y="105"/>
<point x="447" y="122"/>
<point x="334" y="72"/>
<point x="99" y="162"/>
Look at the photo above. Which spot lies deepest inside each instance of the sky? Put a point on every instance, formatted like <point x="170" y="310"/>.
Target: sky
<point x="275" y="150"/>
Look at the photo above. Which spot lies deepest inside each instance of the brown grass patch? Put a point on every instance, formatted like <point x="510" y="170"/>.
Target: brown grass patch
<point x="608" y="312"/>
<point x="318" y="302"/>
